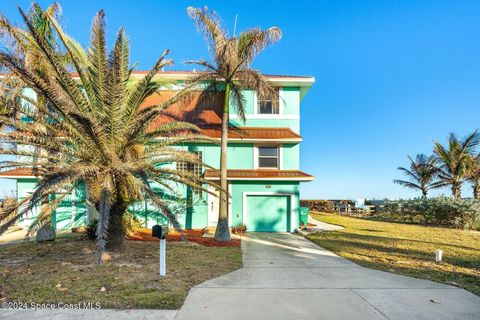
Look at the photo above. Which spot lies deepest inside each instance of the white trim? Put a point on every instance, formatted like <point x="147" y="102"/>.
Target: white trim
<point x="263" y="116"/>
<point x="279" y="155"/>
<point x="73" y="207"/>
<point x="210" y="198"/>
<point x="87" y="204"/>
<point x="249" y="140"/>
<point x="287" y="81"/>
<point x="293" y="216"/>
<point x="267" y="115"/>
<point x="266" y="140"/>
<point x="230" y="200"/>
<point x="280" y="101"/>
<point x="19" y="177"/>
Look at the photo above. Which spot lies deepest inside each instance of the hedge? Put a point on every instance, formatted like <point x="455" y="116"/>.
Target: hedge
<point x="318" y="205"/>
<point x="441" y="211"/>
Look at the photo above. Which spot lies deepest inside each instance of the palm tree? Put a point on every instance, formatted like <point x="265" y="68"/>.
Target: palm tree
<point x="455" y="161"/>
<point x="11" y="87"/>
<point x="93" y="129"/>
<point x="421" y="175"/>
<point x="230" y="71"/>
<point x="474" y="175"/>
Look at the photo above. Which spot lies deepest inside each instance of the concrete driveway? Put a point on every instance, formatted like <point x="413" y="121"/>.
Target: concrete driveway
<point x="288" y="277"/>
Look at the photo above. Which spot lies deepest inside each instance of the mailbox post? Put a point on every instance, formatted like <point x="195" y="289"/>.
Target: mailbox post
<point x="161" y="232"/>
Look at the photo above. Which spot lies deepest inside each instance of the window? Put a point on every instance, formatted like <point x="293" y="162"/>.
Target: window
<point x="268" y="105"/>
<point x="194" y="168"/>
<point x="268" y="157"/>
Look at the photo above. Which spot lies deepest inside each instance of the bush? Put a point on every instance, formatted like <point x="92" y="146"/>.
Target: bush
<point x="92" y="229"/>
<point x="318" y="205"/>
<point x="441" y="211"/>
<point x="239" y="229"/>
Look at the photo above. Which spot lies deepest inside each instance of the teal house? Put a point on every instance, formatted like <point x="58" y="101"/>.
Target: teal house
<point x="264" y="173"/>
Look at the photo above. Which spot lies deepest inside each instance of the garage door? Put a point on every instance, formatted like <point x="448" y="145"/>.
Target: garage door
<point x="267" y="213"/>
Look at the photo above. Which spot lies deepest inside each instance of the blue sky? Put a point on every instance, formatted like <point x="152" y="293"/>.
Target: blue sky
<point x="391" y="76"/>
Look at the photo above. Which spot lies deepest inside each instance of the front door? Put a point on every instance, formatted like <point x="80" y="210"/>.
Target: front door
<point x="213" y="207"/>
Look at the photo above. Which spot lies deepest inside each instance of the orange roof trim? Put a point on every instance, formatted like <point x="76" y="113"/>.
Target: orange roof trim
<point x="253" y="133"/>
<point x="259" y="174"/>
<point x="21" y="173"/>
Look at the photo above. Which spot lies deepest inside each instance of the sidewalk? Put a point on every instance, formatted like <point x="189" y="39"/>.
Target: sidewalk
<point x="88" y="314"/>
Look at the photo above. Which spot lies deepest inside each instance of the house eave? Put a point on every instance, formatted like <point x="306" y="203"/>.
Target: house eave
<point x="19" y="177"/>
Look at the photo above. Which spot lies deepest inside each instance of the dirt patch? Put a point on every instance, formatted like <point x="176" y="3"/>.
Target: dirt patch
<point x="67" y="272"/>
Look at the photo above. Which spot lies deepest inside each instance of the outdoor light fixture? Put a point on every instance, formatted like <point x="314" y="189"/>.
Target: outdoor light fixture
<point x="161" y="233"/>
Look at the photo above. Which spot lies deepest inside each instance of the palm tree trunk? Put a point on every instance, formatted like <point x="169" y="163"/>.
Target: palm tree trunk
<point x="476" y="188"/>
<point x="424" y="193"/>
<point x="116" y="234"/>
<point x="222" y="232"/>
<point x="456" y="191"/>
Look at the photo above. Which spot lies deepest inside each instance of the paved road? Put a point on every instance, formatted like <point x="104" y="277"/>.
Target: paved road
<point x="288" y="277"/>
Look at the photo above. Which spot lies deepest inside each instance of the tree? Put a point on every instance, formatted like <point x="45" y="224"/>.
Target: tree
<point x="455" y="161"/>
<point x="93" y="129"/>
<point x="230" y="71"/>
<point x="421" y="175"/>
<point x="11" y="87"/>
<point x="474" y="175"/>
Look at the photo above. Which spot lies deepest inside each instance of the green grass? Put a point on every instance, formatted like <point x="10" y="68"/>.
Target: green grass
<point x="66" y="271"/>
<point x="406" y="249"/>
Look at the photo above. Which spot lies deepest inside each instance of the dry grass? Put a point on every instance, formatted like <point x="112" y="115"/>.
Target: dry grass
<point x="65" y="271"/>
<point x="406" y="249"/>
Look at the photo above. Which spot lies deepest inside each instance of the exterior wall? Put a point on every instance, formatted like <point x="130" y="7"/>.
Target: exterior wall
<point x="190" y="208"/>
<point x="71" y="212"/>
<point x="290" y="100"/>
<point x="269" y="123"/>
<point x="289" y="111"/>
<point x="25" y="186"/>
<point x="240" y="155"/>
<point x="291" y="156"/>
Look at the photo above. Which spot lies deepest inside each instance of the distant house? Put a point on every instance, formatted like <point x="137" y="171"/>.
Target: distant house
<point x="263" y="162"/>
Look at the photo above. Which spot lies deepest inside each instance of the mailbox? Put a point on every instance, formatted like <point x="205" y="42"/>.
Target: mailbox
<point x="159" y="232"/>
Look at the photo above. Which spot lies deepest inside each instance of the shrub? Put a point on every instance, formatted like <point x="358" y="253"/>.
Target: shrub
<point x="239" y="229"/>
<point x="441" y="211"/>
<point x="318" y="205"/>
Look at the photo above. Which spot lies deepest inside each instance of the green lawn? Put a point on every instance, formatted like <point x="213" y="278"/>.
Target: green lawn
<point x="65" y="271"/>
<point x="406" y="249"/>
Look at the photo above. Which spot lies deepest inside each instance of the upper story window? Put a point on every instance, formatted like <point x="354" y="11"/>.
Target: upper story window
<point x="194" y="168"/>
<point x="268" y="105"/>
<point x="268" y="157"/>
